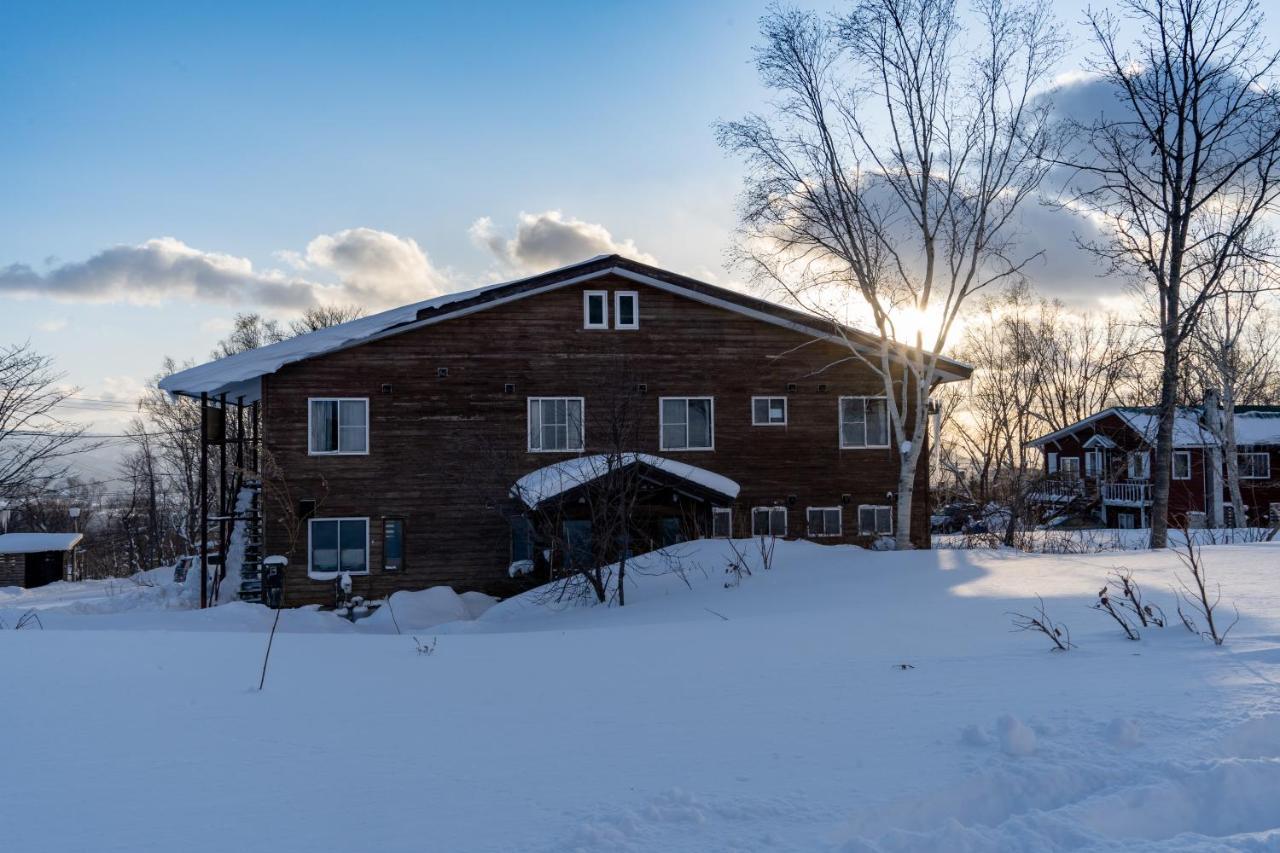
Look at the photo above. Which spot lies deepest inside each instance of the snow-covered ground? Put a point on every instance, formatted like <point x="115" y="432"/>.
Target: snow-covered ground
<point x="771" y="715"/>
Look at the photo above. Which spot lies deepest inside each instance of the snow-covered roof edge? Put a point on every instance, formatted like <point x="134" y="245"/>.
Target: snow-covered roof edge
<point x="559" y="477"/>
<point x="1253" y="427"/>
<point x="37" y="543"/>
<point x="240" y="374"/>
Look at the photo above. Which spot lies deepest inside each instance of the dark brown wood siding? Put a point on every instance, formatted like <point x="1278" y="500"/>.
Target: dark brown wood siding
<point x="445" y="450"/>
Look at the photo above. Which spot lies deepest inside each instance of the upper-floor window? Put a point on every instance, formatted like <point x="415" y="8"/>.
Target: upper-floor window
<point x="555" y="424"/>
<point x="864" y="422"/>
<point x="1182" y="465"/>
<point x="595" y="309"/>
<point x="1139" y="465"/>
<point x="338" y="425"/>
<point x="1069" y="467"/>
<point x="823" y="520"/>
<point x="626" y="310"/>
<point x="686" y="423"/>
<point x="1093" y="463"/>
<point x="1254" y="466"/>
<point x="769" y="411"/>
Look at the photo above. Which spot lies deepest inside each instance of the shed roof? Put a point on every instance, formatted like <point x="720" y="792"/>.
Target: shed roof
<point x="38" y="543"/>
<point x="240" y="375"/>
<point x="558" y="478"/>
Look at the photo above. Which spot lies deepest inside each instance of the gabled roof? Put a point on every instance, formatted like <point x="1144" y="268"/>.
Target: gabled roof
<point x="556" y="479"/>
<point x="1254" y="425"/>
<point x="38" y="543"/>
<point x="240" y="375"/>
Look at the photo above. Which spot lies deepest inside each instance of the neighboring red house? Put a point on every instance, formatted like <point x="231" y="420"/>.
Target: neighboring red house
<point x="1103" y="464"/>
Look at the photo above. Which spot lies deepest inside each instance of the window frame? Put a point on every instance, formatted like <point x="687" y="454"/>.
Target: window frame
<point x="721" y="510"/>
<point x="368" y="553"/>
<point x="1173" y="471"/>
<point x="404" y="555"/>
<point x="1145" y="455"/>
<point x="617" y="310"/>
<point x="1052" y="461"/>
<point x="1254" y="453"/>
<point x="808" y="519"/>
<point x="874" y="521"/>
<point x="711" y="424"/>
<point x="1065" y="472"/>
<point x="586" y="309"/>
<point x="1094" y="470"/>
<point x="338" y="417"/>
<point x="771" y="510"/>
<point x="528" y="425"/>
<point x="786" y="411"/>
<point x="840" y="422"/>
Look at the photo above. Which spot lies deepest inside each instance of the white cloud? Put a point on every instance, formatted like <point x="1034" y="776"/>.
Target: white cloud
<point x="374" y="269"/>
<point x="56" y="324"/>
<point x="377" y="266"/>
<point x="550" y="239"/>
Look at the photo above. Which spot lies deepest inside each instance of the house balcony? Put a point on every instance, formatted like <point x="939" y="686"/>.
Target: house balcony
<point x="1057" y="489"/>
<point x="1129" y="493"/>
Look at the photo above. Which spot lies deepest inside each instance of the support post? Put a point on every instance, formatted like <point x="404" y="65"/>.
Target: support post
<point x="204" y="504"/>
<point x="253" y="443"/>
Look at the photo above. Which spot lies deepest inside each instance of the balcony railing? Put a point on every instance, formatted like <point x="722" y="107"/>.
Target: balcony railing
<point x="1126" y="493"/>
<point x="1058" y="489"/>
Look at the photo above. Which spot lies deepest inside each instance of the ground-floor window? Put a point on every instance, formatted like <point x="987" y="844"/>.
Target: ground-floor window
<point x="1254" y="466"/>
<point x="823" y="520"/>
<point x="578" y="544"/>
<point x="392" y="544"/>
<point x="721" y="522"/>
<point x="337" y="545"/>
<point x="769" y="521"/>
<point x="874" y="520"/>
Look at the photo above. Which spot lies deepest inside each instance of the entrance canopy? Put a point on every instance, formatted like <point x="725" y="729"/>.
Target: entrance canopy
<point x="38" y="543"/>
<point x="555" y="481"/>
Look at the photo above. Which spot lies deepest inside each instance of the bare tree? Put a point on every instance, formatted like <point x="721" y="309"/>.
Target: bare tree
<point x="249" y="331"/>
<point x="1181" y="170"/>
<point x="35" y="442"/>
<point x="891" y="173"/>
<point x="322" y="317"/>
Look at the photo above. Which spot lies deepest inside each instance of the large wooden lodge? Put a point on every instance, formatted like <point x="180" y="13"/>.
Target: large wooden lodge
<point x="391" y="446"/>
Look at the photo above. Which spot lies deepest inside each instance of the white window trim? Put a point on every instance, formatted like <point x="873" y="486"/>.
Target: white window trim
<point x="340" y="400"/>
<point x="635" y="309"/>
<point x="1069" y="459"/>
<point x="662" y="426"/>
<point x="586" y="309"/>
<point x="786" y="411"/>
<point x="770" y="509"/>
<point x="862" y="532"/>
<point x="1094" y="470"/>
<point x="1263" y="453"/>
<point x="840" y="422"/>
<point x="368" y="551"/>
<point x="1173" y="472"/>
<point x="721" y="510"/>
<point x="528" y="414"/>
<point x="1146" y="465"/>
<point x="1053" y="463"/>
<point x="809" y="523"/>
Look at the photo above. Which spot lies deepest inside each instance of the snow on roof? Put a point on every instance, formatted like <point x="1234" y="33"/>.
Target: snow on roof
<point x="36" y="543"/>
<point x="240" y="375"/>
<point x="1258" y="428"/>
<point x="1188" y="429"/>
<point x="554" y="480"/>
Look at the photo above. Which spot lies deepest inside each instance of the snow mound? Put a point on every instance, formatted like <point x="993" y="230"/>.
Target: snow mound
<point x="1016" y="737"/>
<point x="427" y="608"/>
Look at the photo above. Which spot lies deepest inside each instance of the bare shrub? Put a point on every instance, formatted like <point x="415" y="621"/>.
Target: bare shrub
<point x="1040" y="622"/>
<point x="1201" y="603"/>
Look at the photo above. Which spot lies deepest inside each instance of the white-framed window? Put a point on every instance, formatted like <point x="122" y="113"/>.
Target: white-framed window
<point x="686" y="423"/>
<point x="875" y="520"/>
<point x="626" y="309"/>
<point x="864" y="422"/>
<point x="769" y="521"/>
<point x="1254" y="466"/>
<point x="1069" y="467"/>
<point x="1182" y="464"/>
<point x="768" y="411"/>
<point x="555" y="424"/>
<point x="595" y="309"/>
<point x="823" y="520"/>
<point x="1139" y="463"/>
<point x="721" y="522"/>
<point x="1093" y="463"/>
<point x="337" y="425"/>
<point x="1053" y="463"/>
<point x="337" y="545"/>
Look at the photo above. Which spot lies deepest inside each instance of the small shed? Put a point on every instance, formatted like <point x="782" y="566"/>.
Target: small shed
<point x="35" y="559"/>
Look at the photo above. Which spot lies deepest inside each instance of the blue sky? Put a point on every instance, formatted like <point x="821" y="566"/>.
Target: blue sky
<point x="386" y="151"/>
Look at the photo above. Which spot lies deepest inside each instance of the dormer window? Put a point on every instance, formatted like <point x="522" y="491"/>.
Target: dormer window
<point x="595" y="309"/>
<point x="626" y="310"/>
